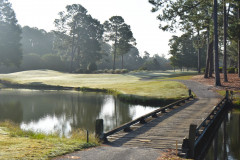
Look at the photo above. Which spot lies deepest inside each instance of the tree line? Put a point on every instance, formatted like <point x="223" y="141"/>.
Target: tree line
<point x="79" y="43"/>
<point x="209" y="26"/>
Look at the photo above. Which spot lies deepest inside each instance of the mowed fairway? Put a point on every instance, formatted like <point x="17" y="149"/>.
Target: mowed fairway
<point x="147" y="84"/>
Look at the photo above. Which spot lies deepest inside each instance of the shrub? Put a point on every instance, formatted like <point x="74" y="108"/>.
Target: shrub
<point x="220" y="69"/>
<point x="110" y="71"/>
<point x="203" y="70"/>
<point x="231" y="70"/>
<point x="105" y="70"/>
<point x="124" y="71"/>
<point x="92" y="67"/>
<point x="236" y="70"/>
<point x="53" y="61"/>
<point x="117" y="71"/>
<point x="80" y="70"/>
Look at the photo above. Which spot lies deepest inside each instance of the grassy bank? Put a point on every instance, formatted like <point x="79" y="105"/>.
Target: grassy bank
<point x="235" y="98"/>
<point x="137" y="85"/>
<point x="18" y="144"/>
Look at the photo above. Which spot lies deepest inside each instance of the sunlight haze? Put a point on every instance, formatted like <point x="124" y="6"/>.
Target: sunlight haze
<point x="136" y="13"/>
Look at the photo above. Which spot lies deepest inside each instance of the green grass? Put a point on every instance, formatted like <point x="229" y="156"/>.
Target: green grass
<point x="145" y="84"/>
<point x="18" y="144"/>
<point x="236" y="97"/>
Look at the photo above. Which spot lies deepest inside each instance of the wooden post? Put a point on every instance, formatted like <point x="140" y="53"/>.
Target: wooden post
<point x="99" y="128"/>
<point x="87" y="136"/>
<point x="192" y="136"/>
<point x="227" y="94"/>
<point x="190" y="92"/>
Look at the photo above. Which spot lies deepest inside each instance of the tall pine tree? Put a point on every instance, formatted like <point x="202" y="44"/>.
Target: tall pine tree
<point x="10" y="36"/>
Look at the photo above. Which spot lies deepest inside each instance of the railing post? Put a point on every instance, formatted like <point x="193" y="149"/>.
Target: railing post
<point x="190" y="92"/>
<point x="192" y="136"/>
<point x="227" y="94"/>
<point x="99" y="128"/>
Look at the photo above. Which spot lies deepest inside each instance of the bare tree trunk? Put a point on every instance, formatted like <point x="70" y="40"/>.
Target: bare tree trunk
<point x="216" y="65"/>
<point x="208" y="56"/>
<point x="122" y="61"/>
<point x="72" y="54"/>
<point x="115" y="50"/>
<point x="224" y="42"/>
<point x="238" y="43"/>
<point x="211" y="59"/>
<point x="199" y="65"/>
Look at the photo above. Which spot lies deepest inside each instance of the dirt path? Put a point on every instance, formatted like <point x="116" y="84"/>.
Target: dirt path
<point x="147" y="141"/>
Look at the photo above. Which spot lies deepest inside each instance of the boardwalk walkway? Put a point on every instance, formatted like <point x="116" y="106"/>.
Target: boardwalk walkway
<point x="160" y="133"/>
<point x="163" y="132"/>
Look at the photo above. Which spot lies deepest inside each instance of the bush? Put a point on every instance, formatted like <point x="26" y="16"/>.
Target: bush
<point x="231" y="70"/>
<point x="53" y="61"/>
<point x="220" y="70"/>
<point x="92" y="67"/>
<point x="110" y="71"/>
<point x="80" y="70"/>
<point x="236" y="70"/>
<point x="117" y="71"/>
<point x="105" y="71"/>
<point x="203" y="70"/>
<point x="124" y="71"/>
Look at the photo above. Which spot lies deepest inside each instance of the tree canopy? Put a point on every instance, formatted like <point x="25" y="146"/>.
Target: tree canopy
<point x="10" y="36"/>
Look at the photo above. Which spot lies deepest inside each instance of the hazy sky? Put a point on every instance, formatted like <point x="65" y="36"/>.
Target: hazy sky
<point x="136" y="13"/>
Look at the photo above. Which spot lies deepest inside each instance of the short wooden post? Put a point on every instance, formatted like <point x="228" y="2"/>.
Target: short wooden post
<point x="227" y="94"/>
<point x="87" y="136"/>
<point x="190" y="92"/>
<point x="99" y="128"/>
<point x="192" y="136"/>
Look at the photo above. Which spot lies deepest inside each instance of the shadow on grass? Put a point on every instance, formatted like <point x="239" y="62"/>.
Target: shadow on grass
<point x="148" y="75"/>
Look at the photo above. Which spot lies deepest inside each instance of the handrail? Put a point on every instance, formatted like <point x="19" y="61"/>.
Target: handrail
<point x="142" y="118"/>
<point x="215" y="112"/>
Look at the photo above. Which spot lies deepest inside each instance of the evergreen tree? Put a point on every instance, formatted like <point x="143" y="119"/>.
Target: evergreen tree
<point x="10" y="36"/>
<point x="77" y="29"/>
<point x="120" y="34"/>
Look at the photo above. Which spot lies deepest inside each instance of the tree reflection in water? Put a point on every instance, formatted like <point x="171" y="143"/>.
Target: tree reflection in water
<point x="226" y="144"/>
<point x="62" y="111"/>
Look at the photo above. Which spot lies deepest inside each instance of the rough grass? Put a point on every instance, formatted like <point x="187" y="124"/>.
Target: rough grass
<point x="18" y="144"/>
<point x="137" y="83"/>
<point x="236" y="97"/>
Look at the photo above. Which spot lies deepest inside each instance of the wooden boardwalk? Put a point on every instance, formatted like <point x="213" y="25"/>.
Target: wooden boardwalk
<point x="167" y="130"/>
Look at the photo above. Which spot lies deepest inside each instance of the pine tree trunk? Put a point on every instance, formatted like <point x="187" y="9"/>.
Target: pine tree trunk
<point x="224" y="42"/>
<point x="238" y="43"/>
<point x="216" y="65"/>
<point x="210" y="59"/>
<point x="199" y="65"/>
<point x="208" y="56"/>
<point x="72" y="54"/>
<point x="115" y="50"/>
<point x="122" y="61"/>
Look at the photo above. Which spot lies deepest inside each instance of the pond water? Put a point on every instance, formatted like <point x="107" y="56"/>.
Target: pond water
<point x="226" y="143"/>
<point x="63" y="111"/>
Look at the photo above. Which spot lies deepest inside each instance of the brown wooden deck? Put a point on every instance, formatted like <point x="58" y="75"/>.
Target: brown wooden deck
<point x="168" y="129"/>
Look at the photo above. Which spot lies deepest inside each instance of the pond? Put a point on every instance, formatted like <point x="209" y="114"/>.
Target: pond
<point x="63" y="111"/>
<point x="226" y="143"/>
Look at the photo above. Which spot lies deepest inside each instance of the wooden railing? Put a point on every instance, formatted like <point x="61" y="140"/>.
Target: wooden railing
<point x="200" y="137"/>
<point x="126" y="126"/>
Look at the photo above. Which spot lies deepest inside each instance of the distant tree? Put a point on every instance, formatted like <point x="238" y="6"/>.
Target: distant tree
<point x="120" y="34"/>
<point x="183" y="52"/>
<point x="10" y="36"/>
<point x="81" y="33"/>
<point x="31" y="61"/>
<point x="36" y="40"/>
<point x="53" y="62"/>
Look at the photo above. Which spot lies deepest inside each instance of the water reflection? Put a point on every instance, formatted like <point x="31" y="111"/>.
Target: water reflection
<point x="226" y="143"/>
<point x="62" y="111"/>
